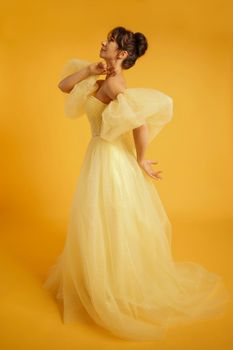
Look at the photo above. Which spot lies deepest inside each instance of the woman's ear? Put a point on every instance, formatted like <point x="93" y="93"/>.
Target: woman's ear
<point x="123" y="54"/>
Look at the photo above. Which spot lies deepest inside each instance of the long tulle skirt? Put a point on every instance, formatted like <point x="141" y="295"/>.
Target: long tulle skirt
<point x="117" y="262"/>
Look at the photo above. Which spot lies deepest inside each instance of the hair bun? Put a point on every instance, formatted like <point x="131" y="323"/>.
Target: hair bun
<point x="141" y="43"/>
<point x="135" y="44"/>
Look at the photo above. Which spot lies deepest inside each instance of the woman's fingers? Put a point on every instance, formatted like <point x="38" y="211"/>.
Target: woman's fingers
<point x="156" y="175"/>
<point x="146" y="165"/>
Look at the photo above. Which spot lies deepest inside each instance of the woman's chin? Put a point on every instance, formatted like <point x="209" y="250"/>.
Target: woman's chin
<point x="101" y="53"/>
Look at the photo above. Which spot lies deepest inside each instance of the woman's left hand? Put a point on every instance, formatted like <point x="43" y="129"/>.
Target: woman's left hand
<point x="145" y="164"/>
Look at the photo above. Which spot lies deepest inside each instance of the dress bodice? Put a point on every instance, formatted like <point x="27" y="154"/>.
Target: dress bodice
<point x="115" y="120"/>
<point x="94" y="108"/>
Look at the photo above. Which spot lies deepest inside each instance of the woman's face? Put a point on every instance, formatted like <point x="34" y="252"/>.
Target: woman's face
<point x="109" y="48"/>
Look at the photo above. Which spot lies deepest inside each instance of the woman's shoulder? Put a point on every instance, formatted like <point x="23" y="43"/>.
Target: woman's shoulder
<point x="115" y="87"/>
<point x="109" y="89"/>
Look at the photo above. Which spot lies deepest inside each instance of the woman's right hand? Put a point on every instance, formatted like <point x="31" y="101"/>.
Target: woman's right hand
<point x="98" y="68"/>
<point x="145" y="164"/>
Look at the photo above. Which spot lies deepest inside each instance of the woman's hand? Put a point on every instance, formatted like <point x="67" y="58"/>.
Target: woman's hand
<point x="97" y="68"/>
<point x="145" y="164"/>
<point x="101" y="68"/>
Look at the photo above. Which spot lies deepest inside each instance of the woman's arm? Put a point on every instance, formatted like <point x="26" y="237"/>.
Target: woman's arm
<point x="140" y="135"/>
<point x="67" y="84"/>
<point x="96" y="68"/>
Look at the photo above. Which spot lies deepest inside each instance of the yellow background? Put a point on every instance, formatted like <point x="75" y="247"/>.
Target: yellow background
<point x="190" y="58"/>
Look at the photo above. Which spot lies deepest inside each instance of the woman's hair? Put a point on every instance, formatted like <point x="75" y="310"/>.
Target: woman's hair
<point x="134" y="43"/>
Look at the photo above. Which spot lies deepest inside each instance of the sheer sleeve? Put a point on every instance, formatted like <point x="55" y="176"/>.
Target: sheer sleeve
<point x="74" y="100"/>
<point x="134" y="107"/>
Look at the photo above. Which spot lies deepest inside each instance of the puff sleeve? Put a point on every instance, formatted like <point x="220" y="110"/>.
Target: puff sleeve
<point x="74" y="101"/>
<point x="134" y="107"/>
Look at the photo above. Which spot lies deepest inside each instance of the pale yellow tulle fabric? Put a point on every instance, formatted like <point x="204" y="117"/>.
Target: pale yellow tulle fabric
<point x="74" y="101"/>
<point x="116" y="264"/>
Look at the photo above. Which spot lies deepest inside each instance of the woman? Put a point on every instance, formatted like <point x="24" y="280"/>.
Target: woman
<point x="117" y="263"/>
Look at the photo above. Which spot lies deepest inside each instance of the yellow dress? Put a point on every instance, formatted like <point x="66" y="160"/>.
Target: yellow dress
<point x="116" y="264"/>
